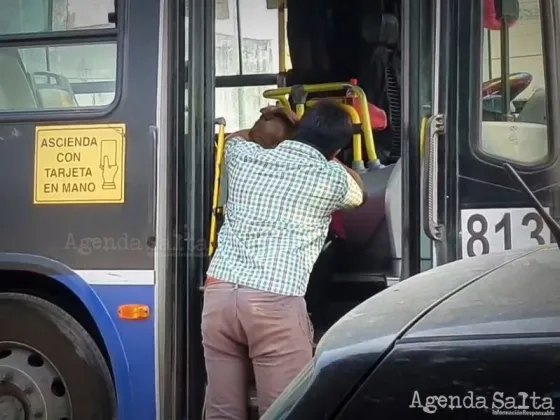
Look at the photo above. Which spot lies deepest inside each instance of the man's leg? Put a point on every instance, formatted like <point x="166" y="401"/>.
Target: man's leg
<point x="226" y="355"/>
<point x="280" y="338"/>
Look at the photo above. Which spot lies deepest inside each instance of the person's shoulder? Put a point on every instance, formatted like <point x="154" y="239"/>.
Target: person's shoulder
<point x="335" y="170"/>
<point x="302" y="151"/>
<point x="286" y="144"/>
<point x="235" y="139"/>
<point x="240" y="144"/>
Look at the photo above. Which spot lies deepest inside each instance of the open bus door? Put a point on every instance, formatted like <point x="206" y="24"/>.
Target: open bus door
<point x="442" y="51"/>
<point x="479" y="120"/>
<point x="185" y="109"/>
<point x="512" y="119"/>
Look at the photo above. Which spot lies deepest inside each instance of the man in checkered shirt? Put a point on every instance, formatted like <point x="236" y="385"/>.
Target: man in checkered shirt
<point x="276" y="221"/>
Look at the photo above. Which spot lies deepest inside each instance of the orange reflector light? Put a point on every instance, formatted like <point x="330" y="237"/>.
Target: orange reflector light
<point x="134" y="312"/>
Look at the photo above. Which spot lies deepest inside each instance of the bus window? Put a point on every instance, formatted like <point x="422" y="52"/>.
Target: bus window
<point x="240" y="106"/>
<point x="35" y="16"/>
<point x="247" y="39"/>
<point x="514" y="120"/>
<point x="66" y="73"/>
<point x="247" y="43"/>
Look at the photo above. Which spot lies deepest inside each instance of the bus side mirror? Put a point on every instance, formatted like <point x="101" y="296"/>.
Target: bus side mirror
<point x="496" y="12"/>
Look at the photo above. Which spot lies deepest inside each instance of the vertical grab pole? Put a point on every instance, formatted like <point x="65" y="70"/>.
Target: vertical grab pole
<point x="218" y="165"/>
<point x="504" y="68"/>
<point x="507" y="12"/>
<point x="282" y="35"/>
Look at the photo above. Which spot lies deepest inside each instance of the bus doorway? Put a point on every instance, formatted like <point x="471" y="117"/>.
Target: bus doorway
<point x="441" y="158"/>
<point x="440" y="122"/>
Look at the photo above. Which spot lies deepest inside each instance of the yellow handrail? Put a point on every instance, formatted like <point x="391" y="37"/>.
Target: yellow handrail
<point x="282" y="35"/>
<point x="221" y="123"/>
<point x="423" y="134"/>
<point x="340" y="86"/>
<point x="282" y="99"/>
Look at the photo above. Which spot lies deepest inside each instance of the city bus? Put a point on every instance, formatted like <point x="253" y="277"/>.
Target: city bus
<point x="108" y="138"/>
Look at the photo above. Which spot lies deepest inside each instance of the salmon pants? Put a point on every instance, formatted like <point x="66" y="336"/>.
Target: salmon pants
<point x="243" y="326"/>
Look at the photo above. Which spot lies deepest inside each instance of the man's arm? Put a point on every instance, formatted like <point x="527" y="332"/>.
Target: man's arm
<point x="351" y="190"/>
<point x="352" y="173"/>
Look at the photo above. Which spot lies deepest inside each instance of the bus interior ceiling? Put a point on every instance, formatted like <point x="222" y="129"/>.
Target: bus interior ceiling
<point x="331" y="42"/>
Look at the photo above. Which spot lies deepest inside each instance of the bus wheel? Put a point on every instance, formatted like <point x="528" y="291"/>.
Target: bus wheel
<point x="50" y="368"/>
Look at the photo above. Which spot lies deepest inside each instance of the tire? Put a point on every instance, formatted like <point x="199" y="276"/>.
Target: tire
<point x="38" y="340"/>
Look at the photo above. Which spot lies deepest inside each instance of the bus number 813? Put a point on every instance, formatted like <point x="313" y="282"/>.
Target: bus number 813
<point x="494" y="230"/>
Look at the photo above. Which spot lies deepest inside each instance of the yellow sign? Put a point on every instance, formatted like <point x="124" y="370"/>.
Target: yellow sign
<point x="80" y="164"/>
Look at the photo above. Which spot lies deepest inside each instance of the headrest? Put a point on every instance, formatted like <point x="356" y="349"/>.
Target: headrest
<point x="381" y="29"/>
<point x="377" y="116"/>
<point x="495" y="9"/>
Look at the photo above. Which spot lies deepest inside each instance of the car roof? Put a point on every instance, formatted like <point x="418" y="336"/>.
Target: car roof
<point x="398" y="311"/>
<point x="521" y="297"/>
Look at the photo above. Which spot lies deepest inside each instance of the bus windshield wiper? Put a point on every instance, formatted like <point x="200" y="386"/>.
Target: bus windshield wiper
<point x="537" y="205"/>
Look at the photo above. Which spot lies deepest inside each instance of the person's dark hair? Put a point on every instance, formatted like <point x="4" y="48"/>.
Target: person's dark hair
<point x="326" y="127"/>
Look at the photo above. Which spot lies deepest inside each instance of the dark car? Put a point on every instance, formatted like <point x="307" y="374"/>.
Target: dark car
<point x="476" y="338"/>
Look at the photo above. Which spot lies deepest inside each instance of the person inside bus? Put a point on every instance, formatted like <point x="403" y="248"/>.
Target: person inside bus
<point x="274" y="125"/>
<point x="277" y="216"/>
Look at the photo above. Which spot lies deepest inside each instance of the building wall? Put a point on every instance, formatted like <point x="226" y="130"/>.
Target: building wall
<point x="526" y="53"/>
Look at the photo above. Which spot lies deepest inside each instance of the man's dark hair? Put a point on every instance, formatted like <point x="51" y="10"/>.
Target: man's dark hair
<point x="326" y="127"/>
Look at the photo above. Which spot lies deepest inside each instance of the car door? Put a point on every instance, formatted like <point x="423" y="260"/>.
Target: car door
<point x="466" y="379"/>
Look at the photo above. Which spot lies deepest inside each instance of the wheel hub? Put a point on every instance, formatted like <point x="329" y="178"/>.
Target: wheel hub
<point x="11" y="408"/>
<point x="30" y="386"/>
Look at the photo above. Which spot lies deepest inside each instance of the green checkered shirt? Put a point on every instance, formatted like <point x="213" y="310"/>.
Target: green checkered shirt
<point x="277" y="214"/>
